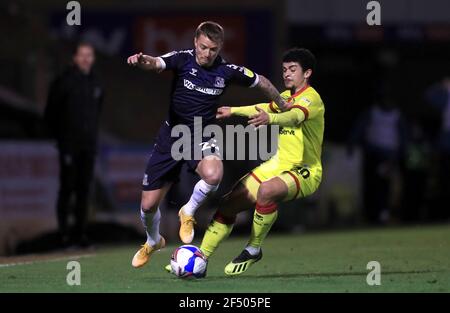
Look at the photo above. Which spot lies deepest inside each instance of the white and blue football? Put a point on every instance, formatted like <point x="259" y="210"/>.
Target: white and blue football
<point x="188" y="261"/>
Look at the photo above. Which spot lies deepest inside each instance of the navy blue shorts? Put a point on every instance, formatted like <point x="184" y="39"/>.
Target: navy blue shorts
<point x="163" y="168"/>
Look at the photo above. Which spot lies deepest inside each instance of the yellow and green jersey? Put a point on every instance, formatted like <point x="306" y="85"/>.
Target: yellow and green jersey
<point x="301" y="128"/>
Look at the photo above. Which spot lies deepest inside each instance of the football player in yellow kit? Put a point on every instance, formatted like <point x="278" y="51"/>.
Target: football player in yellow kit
<point x="295" y="171"/>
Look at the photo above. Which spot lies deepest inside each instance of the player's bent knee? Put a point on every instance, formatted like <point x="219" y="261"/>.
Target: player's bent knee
<point x="149" y="204"/>
<point x="266" y="193"/>
<point x="212" y="175"/>
<point x="213" y="180"/>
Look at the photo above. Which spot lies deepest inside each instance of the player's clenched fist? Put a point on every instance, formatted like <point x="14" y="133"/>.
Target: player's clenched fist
<point x="223" y="112"/>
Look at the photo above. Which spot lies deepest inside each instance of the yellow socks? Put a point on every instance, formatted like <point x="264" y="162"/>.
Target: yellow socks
<point x="263" y="219"/>
<point x="220" y="228"/>
<point x="214" y="235"/>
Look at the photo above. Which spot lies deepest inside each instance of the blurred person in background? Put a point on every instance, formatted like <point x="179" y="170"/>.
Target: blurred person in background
<point x="381" y="132"/>
<point x="72" y="115"/>
<point x="416" y="172"/>
<point x="438" y="95"/>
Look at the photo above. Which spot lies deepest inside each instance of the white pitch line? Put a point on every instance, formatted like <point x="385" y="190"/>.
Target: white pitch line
<point x="47" y="261"/>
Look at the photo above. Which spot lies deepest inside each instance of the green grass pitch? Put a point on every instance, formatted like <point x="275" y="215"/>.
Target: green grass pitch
<point x="413" y="259"/>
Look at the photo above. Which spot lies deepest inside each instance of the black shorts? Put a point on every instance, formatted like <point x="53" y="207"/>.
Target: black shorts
<point x="163" y="167"/>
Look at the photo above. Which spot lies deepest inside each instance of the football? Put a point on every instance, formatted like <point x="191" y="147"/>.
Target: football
<point x="188" y="261"/>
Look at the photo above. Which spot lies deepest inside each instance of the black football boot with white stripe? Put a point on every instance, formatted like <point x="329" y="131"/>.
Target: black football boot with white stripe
<point x="242" y="263"/>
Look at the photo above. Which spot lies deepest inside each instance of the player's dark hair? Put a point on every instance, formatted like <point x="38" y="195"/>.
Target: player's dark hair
<point x="302" y="56"/>
<point x="80" y="44"/>
<point x="212" y="30"/>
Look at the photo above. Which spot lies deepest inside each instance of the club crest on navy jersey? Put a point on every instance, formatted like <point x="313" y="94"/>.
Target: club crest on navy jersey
<point x="220" y="82"/>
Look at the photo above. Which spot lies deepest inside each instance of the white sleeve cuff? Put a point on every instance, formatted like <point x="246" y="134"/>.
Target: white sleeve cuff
<point x="255" y="82"/>
<point x="162" y="62"/>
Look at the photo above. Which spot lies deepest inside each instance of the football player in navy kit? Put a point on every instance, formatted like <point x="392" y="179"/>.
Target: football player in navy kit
<point x="201" y="76"/>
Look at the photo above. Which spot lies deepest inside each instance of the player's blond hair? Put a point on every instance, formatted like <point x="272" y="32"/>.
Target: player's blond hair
<point x="212" y="30"/>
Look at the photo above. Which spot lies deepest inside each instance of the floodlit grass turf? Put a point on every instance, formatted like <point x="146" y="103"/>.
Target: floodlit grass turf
<point x="413" y="259"/>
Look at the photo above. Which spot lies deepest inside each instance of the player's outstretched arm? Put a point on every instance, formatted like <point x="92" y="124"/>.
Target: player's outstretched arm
<point x="145" y="62"/>
<point x="286" y="119"/>
<point x="223" y="113"/>
<point x="247" y="111"/>
<point x="270" y="91"/>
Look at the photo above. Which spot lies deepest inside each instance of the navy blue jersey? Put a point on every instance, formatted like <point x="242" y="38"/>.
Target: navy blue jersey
<point x="196" y="89"/>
